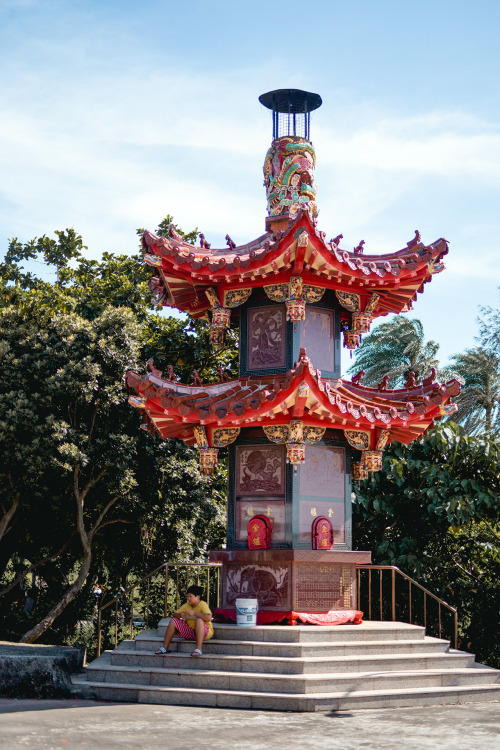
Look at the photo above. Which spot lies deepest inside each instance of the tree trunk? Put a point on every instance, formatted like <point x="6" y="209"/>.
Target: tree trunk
<point x="32" y="635"/>
<point x="7" y="517"/>
<point x="32" y="567"/>
<point x="86" y="538"/>
<point x="488" y="419"/>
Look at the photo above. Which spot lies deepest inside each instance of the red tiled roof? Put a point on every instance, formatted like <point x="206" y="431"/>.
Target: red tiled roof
<point x="184" y="272"/>
<point x="173" y="409"/>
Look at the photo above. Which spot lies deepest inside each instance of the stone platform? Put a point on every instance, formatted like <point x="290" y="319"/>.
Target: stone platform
<point x="299" y="668"/>
<point x="285" y="580"/>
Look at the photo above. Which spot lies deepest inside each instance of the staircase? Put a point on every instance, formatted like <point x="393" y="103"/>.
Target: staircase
<point x="295" y="668"/>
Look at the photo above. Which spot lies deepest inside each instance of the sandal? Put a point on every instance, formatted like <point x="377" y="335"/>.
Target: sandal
<point x="197" y="652"/>
<point x="163" y="651"/>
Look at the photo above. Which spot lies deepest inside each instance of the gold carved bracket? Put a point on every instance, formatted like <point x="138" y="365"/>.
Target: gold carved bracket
<point x="358" y="439"/>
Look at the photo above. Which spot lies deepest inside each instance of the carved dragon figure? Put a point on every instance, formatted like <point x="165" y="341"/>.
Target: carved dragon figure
<point x="289" y="177"/>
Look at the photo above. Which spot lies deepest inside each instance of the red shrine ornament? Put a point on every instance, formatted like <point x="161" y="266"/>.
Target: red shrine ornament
<point x="322" y="533"/>
<point x="259" y="533"/>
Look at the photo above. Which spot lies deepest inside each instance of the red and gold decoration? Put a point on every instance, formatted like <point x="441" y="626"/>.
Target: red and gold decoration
<point x="361" y="322"/>
<point x="223" y="437"/>
<point x="358" y="439"/>
<point x="358" y="471"/>
<point x="208" y="460"/>
<point x="294" y="295"/>
<point x="322" y="533"/>
<point x="372" y="460"/>
<point x="291" y="431"/>
<point x="259" y="533"/>
<point x="351" y="339"/>
<point x="295" y="453"/>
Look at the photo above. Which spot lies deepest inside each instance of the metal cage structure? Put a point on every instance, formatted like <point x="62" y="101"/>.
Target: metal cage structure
<point x="291" y="109"/>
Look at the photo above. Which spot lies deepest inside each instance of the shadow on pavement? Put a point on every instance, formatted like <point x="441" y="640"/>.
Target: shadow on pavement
<point x="12" y="705"/>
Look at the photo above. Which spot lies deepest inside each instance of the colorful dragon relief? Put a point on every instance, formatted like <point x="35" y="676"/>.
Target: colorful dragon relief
<point x="289" y="177"/>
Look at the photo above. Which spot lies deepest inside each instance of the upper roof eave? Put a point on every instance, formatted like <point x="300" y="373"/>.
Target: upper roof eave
<point x="185" y="271"/>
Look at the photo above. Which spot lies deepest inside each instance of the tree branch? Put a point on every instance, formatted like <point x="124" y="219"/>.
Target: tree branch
<point x="114" y="520"/>
<point x="7" y="517"/>
<point x="38" y="564"/>
<point x="101" y="515"/>
<point x="80" y="499"/>
<point x="467" y="573"/>
<point x="92" y="425"/>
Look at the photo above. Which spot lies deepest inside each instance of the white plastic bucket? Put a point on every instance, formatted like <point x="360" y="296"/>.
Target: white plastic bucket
<point x="246" y="612"/>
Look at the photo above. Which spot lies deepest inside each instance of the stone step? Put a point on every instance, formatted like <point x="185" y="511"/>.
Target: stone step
<point x="296" y="668"/>
<point x="298" y="665"/>
<point x="327" y="701"/>
<point x="370" y="630"/>
<point x="289" y="650"/>
<point x="366" y="677"/>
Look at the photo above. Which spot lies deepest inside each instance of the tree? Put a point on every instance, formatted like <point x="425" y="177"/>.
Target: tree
<point x="479" y="371"/>
<point x="167" y="224"/>
<point x="489" y="329"/>
<point x="85" y="492"/>
<point x="62" y="385"/>
<point x="395" y="348"/>
<point x="479" y="399"/>
<point x="433" y="510"/>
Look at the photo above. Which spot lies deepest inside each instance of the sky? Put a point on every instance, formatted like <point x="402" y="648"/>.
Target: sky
<point x="113" y="114"/>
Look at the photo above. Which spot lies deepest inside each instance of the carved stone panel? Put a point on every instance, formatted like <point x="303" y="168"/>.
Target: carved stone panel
<point x="324" y="587"/>
<point x="323" y="474"/>
<point x="266" y="337"/>
<point x="269" y="584"/>
<point x="317" y="335"/>
<point x="260" y="470"/>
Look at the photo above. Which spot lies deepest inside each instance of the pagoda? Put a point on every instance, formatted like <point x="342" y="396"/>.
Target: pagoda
<point x="297" y="434"/>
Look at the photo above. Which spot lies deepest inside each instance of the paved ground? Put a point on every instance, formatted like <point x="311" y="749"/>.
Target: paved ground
<point x="47" y="725"/>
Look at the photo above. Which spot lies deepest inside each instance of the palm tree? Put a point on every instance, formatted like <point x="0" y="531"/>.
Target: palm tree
<point x="489" y="329"/>
<point x="479" y="401"/>
<point x="395" y="348"/>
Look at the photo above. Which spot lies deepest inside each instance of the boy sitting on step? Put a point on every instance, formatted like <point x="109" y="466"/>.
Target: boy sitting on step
<point x="192" y="621"/>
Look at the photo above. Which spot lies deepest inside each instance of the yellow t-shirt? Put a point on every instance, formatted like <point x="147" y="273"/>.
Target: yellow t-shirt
<point x="204" y="609"/>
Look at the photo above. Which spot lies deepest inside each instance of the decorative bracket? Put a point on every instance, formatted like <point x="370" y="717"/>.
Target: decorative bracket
<point x="208" y="456"/>
<point x="358" y="439"/>
<point x="294" y="295"/>
<point x="296" y="436"/>
<point x="224" y="436"/>
<point x="221" y="319"/>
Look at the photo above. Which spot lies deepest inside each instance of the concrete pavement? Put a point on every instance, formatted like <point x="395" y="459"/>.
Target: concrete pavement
<point x="70" y="724"/>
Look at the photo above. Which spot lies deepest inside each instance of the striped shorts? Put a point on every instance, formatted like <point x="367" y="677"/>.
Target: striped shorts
<point x="186" y="631"/>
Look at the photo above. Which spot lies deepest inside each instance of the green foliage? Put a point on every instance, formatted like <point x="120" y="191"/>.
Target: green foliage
<point x="479" y="371"/>
<point x="433" y="511"/>
<point x="84" y="493"/>
<point x="186" y="345"/>
<point x="83" y="286"/>
<point x="489" y="329"/>
<point x="395" y="348"/>
<point x="164" y="227"/>
<point x="479" y="400"/>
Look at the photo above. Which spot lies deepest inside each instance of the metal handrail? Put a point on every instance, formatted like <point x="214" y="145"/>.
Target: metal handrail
<point x="411" y="583"/>
<point x="147" y="578"/>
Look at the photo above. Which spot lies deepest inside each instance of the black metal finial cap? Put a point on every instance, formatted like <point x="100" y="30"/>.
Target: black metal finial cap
<point x="293" y="101"/>
<point x="291" y="110"/>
